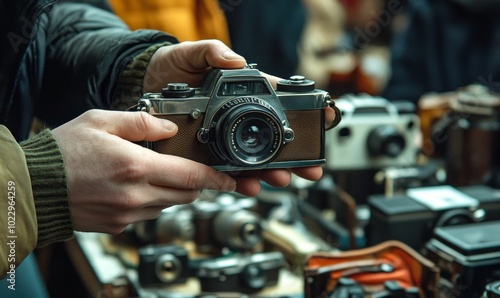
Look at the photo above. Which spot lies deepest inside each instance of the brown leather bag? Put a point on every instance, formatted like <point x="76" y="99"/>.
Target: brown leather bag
<point x="371" y="267"/>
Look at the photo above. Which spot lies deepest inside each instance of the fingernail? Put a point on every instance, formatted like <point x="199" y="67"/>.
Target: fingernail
<point x="230" y="186"/>
<point x="230" y="55"/>
<point x="169" y="125"/>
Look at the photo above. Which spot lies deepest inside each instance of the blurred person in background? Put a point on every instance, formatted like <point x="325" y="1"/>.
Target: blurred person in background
<point x="188" y="20"/>
<point x="445" y="45"/>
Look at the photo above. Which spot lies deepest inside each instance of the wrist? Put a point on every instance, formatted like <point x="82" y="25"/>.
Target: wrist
<point x="131" y="82"/>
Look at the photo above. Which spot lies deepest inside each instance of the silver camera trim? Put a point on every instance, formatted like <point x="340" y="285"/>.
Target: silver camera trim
<point x="175" y="265"/>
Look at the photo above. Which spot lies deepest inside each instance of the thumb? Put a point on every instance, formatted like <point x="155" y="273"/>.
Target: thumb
<point x="137" y="126"/>
<point x="212" y="53"/>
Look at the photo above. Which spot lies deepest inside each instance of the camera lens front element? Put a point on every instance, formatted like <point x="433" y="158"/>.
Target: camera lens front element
<point x="252" y="136"/>
<point x="168" y="268"/>
<point x="254" y="277"/>
<point x="238" y="229"/>
<point x="386" y="140"/>
<point x="247" y="132"/>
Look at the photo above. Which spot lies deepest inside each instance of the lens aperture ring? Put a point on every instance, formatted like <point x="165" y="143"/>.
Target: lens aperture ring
<point x="247" y="132"/>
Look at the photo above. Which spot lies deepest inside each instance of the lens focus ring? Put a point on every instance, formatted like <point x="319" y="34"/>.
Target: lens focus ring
<point x="247" y="133"/>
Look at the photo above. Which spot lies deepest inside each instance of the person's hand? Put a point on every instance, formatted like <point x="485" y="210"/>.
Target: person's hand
<point x="189" y="62"/>
<point x="113" y="182"/>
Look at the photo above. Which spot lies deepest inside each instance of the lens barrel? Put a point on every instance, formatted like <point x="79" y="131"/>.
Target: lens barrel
<point x="248" y="133"/>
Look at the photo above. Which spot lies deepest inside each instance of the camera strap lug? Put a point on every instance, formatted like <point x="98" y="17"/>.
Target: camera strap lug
<point x="142" y="106"/>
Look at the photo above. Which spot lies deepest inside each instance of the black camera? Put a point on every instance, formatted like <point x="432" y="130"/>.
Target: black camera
<point x="237" y="121"/>
<point x="173" y="226"/>
<point x="468" y="257"/>
<point x="411" y="218"/>
<point x="226" y="222"/>
<point x="163" y="265"/>
<point x="241" y="273"/>
<point x="349" y="288"/>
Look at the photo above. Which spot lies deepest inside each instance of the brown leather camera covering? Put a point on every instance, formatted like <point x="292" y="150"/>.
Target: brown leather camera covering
<point x="308" y="143"/>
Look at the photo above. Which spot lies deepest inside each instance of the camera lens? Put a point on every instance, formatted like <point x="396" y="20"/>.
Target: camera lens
<point x="492" y="290"/>
<point x="252" y="136"/>
<point x="386" y="140"/>
<point x="168" y="268"/>
<point x="248" y="133"/>
<point x="254" y="277"/>
<point x="239" y="229"/>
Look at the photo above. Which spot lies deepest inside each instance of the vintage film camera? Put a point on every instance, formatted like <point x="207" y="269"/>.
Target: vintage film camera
<point x="226" y="222"/>
<point x="163" y="265"/>
<point x="174" y="225"/>
<point x="412" y="217"/>
<point x="237" y="121"/>
<point x="241" y="273"/>
<point x="374" y="133"/>
<point x="469" y="259"/>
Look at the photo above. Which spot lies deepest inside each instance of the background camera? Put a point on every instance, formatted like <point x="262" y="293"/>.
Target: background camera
<point x="226" y="222"/>
<point x="163" y="265"/>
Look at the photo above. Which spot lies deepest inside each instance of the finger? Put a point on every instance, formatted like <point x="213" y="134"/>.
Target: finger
<point x="272" y="79"/>
<point x="132" y="126"/>
<point x="177" y="172"/>
<point x="167" y="196"/>
<point x="211" y="53"/>
<point x="248" y="186"/>
<point x="329" y="115"/>
<point x="309" y="173"/>
<point x="155" y="196"/>
<point x="275" y="177"/>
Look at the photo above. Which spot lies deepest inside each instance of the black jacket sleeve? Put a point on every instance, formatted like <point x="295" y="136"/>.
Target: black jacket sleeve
<point x="87" y="49"/>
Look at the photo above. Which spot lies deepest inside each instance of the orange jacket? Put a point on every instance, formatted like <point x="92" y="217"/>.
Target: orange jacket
<point x="185" y="19"/>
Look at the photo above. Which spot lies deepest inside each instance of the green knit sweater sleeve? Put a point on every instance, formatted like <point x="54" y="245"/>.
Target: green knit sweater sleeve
<point x="48" y="181"/>
<point x="131" y="81"/>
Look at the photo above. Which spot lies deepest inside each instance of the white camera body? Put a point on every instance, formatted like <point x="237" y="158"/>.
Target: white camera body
<point x="373" y="134"/>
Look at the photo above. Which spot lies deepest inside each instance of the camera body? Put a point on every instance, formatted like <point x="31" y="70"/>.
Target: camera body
<point x="237" y="121"/>
<point x="347" y="287"/>
<point x="468" y="257"/>
<point x="241" y="273"/>
<point x="163" y="265"/>
<point x="374" y="133"/>
<point x="227" y="222"/>
<point x="423" y="209"/>
<point x="173" y="226"/>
